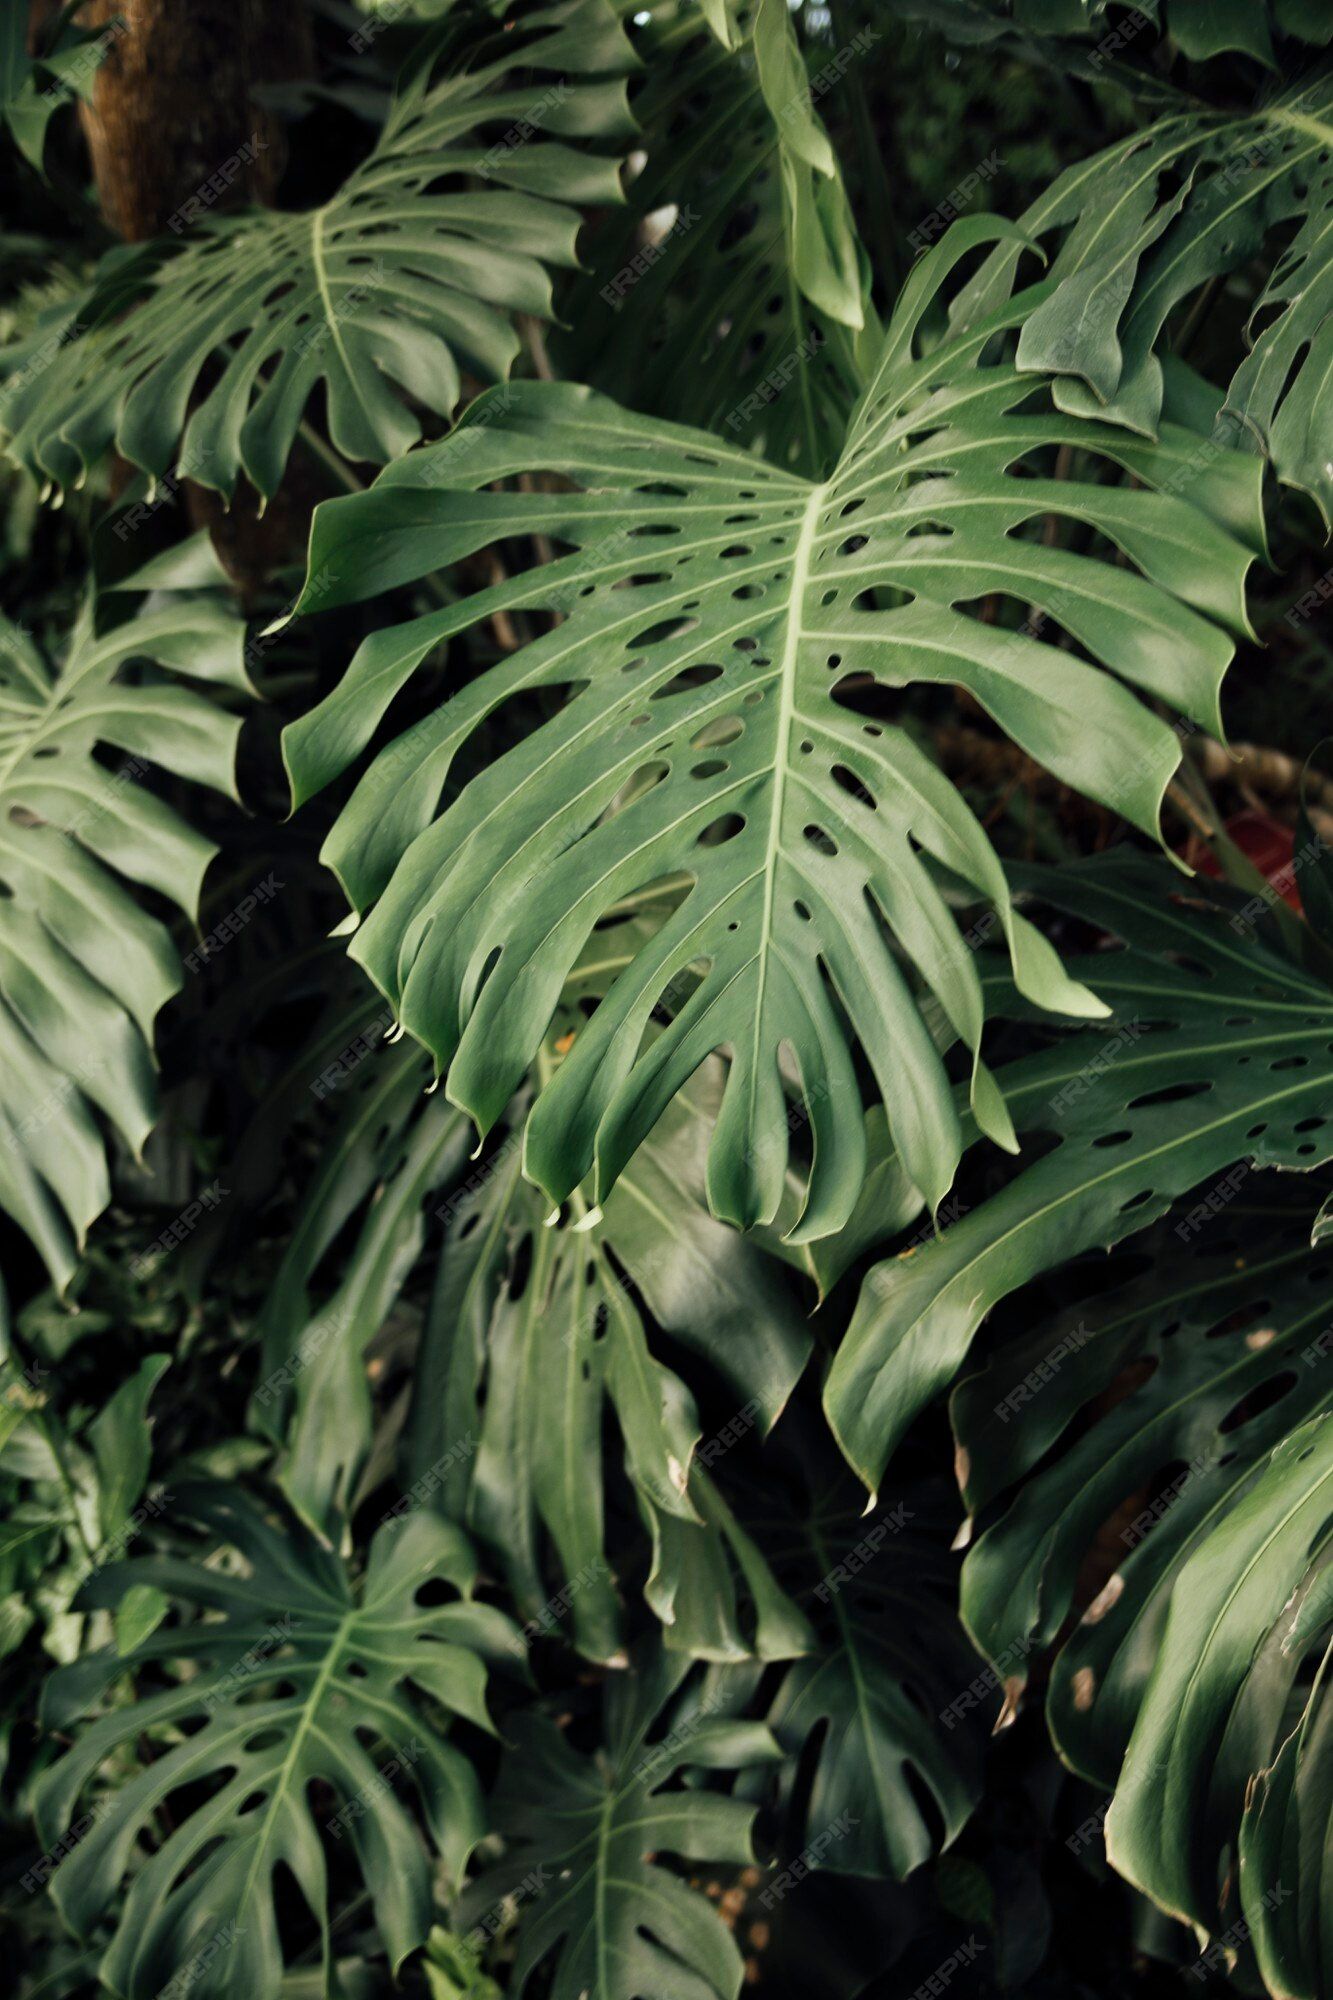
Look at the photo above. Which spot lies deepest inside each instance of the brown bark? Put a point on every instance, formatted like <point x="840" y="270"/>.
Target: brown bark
<point x="173" y="123"/>
<point x="175" y="135"/>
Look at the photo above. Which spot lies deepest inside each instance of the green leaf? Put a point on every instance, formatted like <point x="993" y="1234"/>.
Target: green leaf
<point x="1194" y="1371"/>
<point x="605" y="1912"/>
<point x="121" y="1443"/>
<point x="1141" y="226"/>
<point x="1218" y="1050"/>
<point x="534" y="1331"/>
<point x="84" y="970"/>
<point x="1245" y="1611"/>
<point x="297" y="1678"/>
<point x="692" y="307"/>
<point x="138" y="1616"/>
<point x="33" y="88"/>
<point x="1124" y="1435"/>
<point x="708" y="621"/>
<point x="868" y="1716"/>
<point x="381" y="296"/>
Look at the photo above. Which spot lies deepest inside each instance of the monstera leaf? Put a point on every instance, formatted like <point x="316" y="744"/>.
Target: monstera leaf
<point x="713" y="747"/>
<point x="1141" y="226"/>
<point x="874" y="1716"/>
<point x="84" y="970"/>
<point x="693" y="306"/>
<point x="1127" y="1433"/>
<point x="298" y="1680"/>
<point x="1199" y="28"/>
<point x="407" y="275"/>
<point x="587" y="1835"/>
<point x="1218" y="1051"/>
<point x="1229" y="1746"/>
<point x="532" y="1331"/>
<point x="33" y="88"/>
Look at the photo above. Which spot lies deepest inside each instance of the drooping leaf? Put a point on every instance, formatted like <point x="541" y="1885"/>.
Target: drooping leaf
<point x="383" y="295"/>
<point x="709" y="618"/>
<point x="299" y="1677"/>
<point x="533" y="1331"/>
<point x="871" y="1717"/>
<point x="606" y="1912"/>
<point x="1106" y="1449"/>
<point x="1217" y="1051"/>
<point x="84" y="970"/>
<point x="1249" y="1611"/>
<point x="1143" y="225"/>
<point x="693" y="306"/>
<point x="34" y="87"/>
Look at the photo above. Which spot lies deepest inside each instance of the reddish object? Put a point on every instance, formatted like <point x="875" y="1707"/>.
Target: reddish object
<point x="1265" y="842"/>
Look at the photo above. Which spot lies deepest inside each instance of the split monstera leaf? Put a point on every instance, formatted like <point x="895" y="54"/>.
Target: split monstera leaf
<point x="701" y="646"/>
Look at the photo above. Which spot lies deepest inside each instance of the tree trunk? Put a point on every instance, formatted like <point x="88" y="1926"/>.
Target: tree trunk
<point x="172" y="128"/>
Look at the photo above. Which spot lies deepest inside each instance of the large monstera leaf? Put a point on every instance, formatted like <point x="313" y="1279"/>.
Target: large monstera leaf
<point x="84" y="970"/>
<point x="1129" y="1433"/>
<point x="1212" y="1791"/>
<point x="382" y="296"/>
<point x="298" y="1681"/>
<point x="693" y="306"/>
<point x="877" y="1741"/>
<point x="606" y="1914"/>
<point x="709" y="619"/>
<point x="533" y="1332"/>
<point x="1141" y="226"/>
<point x="1219" y="1050"/>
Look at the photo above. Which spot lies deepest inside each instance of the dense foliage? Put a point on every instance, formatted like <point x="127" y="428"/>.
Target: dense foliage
<point x="666" y="1003"/>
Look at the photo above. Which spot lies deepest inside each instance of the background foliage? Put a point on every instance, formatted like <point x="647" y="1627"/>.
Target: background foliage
<point x="665" y="1024"/>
